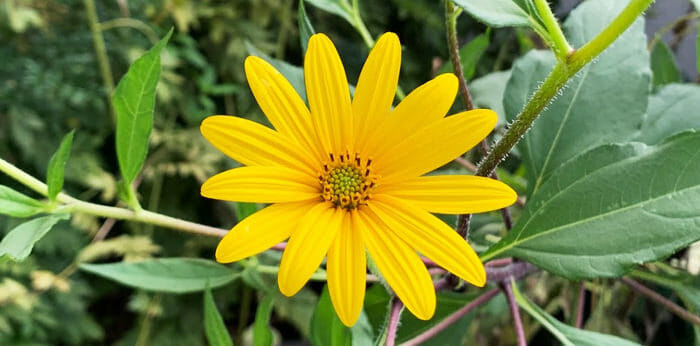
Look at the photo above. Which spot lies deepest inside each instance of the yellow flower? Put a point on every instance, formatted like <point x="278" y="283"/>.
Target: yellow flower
<point x="347" y="175"/>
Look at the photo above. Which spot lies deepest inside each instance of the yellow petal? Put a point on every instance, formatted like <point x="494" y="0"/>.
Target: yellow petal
<point x="376" y="87"/>
<point x="347" y="272"/>
<point x="431" y="237"/>
<point x="435" y="145"/>
<point x="307" y="246"/>
<point x="423" y="106"/>
<point x="253" y="144"/>
<point x="261" y="185"/>
<point x="262" y="230"/>
<point x="399" y="264"/>
<point x="328" y="94"/>
<point x="282" y="105"/>
<point x="452" y="194"/>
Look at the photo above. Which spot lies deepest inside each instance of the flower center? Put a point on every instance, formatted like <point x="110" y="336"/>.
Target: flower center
<point x="346" y="182"/>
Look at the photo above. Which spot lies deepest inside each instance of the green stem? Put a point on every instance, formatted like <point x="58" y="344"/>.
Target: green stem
<point x="451" y="14"/>
<point x="130" y="23"/>
<point x="560" y="45"/>
<point x="101" y="53"/>
<point x="71" y="204"/>
<point x="265" y="269"/>
<point x="556" y="80"/>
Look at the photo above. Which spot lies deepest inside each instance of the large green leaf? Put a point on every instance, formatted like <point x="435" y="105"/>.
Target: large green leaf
<point x="566" y="334"/>
<point x="174" y="275"/>
<point x="15" y="204"/>
<point x="498" y="13"/>
<point x="214" y="327"/>
<point x="674" y="108"/>
<point x="18" y="244"/>
<point x="611" y="208"/>
<point x="57" y="166"/>
<point x="663" y="65"/>
<point x="593" y="109"/>
<point x="134" y="100"/>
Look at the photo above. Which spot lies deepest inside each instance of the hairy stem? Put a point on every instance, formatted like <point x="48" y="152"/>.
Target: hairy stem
<point x="556" y="80"/>
<point x="394" y="318"/>
<point x="560" y="45"/>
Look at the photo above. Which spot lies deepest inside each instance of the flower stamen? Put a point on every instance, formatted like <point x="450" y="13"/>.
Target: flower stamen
<point x="346" y="183"/>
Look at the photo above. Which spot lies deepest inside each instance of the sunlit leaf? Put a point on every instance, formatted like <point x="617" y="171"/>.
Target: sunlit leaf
<point x="18" y="244"/>
<point x="57" y="166"/>
<point x="16" y="204"/>
<point x="338" y="7"/>
<point x="134" y="100"/>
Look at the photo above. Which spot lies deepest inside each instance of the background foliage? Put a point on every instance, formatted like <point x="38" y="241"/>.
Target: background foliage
<point x="51" y="84"/>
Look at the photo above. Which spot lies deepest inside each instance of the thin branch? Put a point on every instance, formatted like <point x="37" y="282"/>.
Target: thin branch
<point x="513" y="305"/>
<point x="581" y="304"/>
<point x="454" y="317"/>
<point x="659" y="299"/>
<point x="515" y="270"/>
<point x="394" y="318"/>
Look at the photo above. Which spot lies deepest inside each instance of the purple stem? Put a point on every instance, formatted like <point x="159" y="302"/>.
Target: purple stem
<point x="671" y="306"/>
<point x="394" y="318"/>
<point x="580" y="305"/>
<point x="518" y="323"/>
<point x="516" y="270"/>
<point x="454" y="317"/>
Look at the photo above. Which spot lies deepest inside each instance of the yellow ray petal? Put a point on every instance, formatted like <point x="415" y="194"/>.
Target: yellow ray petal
<point x="347" y="272"/>
<point x="328" y="94"/>
<point x="253" y="144"/>
<point x="431" y="237"/>
<point x="262" y="230"/>
<point x="452" y="194"/>
<point x="376" y="87"/>
<point x="281" y="104"/>
<point x="261" y="185"/>
<point x="435" y="145"/>
<point x="423" y="106"/>
<point x="399" y="264"/>
<point x="307" y="246"/>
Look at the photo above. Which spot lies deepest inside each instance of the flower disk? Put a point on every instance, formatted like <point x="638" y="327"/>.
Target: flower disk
<point x="346" y="183"/>
<point x="345" y="177"/>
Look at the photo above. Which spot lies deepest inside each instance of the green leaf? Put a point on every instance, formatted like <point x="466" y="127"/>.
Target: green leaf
<point x="174" y="275"/>
<point x="593" y="109"/>
<point x="326" y="327"/>
<point x="18" y="243"/>
<point x="245" y="209"/>
<point x="469" y="55"/>
<point x="305" y="28"/>
<point x="337" y="7"/>
<point x="487" y="92"/>
<point x="57" y="166"/>
<point x="262" y="336"/>
<point x="499" y="13"/>
<point x="214" y="327"/>
<point x="674" y="108"/>
<point x="663" y="65"/>
<point x="294" y="74"/>
<point x="567" y="335"/>
<point x="611" y="208"/>
<point x="15" y="204"/>
<point x="134" y="100"/>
